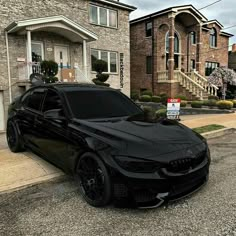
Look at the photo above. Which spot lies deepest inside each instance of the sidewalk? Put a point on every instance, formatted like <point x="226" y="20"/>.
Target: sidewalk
<point x="193" y="121"/>
<point x="19" y="170"/>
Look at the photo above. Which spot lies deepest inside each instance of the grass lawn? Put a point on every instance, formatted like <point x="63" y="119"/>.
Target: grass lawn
<point x="208" y="128"/>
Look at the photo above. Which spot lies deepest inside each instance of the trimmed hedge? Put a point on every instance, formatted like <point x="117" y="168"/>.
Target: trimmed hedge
<point x="210" y="103"/>
<point x="147" y="92"/>
<point x="212" y="97"/>
<point x="156" y="99"/>
<point x="161" y="113"/>
<point x="234" y="102"/>
<point x="134" y="95"/>
<point x="225" y="105"/>
<point x="182" y="97"/>
<point x="145" y="98"/>
<point x="183" y="103"/>
<point x="196" y="104"/>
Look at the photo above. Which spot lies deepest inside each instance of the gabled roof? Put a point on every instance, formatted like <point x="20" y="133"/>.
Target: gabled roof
<point x="60" y="24"/>
<point x="174" y="9"/>
<point x="117" y="4"/>
<point x="214" y="22"/>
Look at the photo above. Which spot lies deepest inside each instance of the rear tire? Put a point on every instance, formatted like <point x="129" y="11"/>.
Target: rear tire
<point x="13" y="138"/>
<point x="94" y="180"/>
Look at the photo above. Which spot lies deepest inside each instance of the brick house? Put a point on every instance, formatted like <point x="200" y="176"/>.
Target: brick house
<point x="174" y="50"/>
<point x="232" y="58"/>
<point x="72" y="33"/>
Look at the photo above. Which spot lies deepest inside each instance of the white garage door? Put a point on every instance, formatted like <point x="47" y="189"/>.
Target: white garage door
<point x="1" y="112"/>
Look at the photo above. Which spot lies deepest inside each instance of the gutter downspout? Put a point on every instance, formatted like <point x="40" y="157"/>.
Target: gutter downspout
<point x="8" y="68"/>
<point x="153" y="44"/>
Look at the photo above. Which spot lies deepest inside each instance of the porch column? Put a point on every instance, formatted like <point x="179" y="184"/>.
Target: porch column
<point x="29" y="53"/>
<point x="85" y="58"/>
<point x="199" y="49"/>
<point x="171" y="48"/>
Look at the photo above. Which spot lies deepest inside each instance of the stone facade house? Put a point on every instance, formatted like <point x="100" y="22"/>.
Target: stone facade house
<point x="72" y="33"/>
<point x="174" y="50"/>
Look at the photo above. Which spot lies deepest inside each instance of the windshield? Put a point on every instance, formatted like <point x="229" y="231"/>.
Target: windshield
<point x="97" y="104"/>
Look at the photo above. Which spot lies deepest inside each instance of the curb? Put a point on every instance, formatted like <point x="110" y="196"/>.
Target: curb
<point x="218" y="133"/>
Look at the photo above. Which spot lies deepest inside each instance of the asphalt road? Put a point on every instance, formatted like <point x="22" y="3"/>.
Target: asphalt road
<point x="58" y="209"/>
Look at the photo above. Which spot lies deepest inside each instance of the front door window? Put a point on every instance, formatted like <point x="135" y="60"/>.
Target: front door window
<point x="37" y="52"/>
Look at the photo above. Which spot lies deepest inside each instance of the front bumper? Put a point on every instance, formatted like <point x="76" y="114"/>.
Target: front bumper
<point x="148" y="191"/>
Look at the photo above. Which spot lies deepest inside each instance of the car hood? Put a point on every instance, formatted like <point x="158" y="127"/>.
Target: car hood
<point x="142" y="139"/>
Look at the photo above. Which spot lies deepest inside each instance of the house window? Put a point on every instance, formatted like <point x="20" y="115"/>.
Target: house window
<point x="37" y="51"/>
<point x="192" y="64"/>
<point x="210" y="67"/>
<point x="176" y="43"/>
<point x="148" y="29"/>
<point x="149" y="64"/>
<point x="103" y="16"/>
<point x="109" y="57"/>
<point x="193" y="38"/>
<point x="213" y="38"/>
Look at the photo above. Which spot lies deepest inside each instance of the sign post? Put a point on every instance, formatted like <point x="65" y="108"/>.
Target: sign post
<point x="173" y="109"/>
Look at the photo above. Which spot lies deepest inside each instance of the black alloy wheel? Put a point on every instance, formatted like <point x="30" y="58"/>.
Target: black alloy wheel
<point x="13" y="138"/>
<point x="94" y="180"/>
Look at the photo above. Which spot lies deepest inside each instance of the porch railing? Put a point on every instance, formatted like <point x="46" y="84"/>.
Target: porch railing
<point x="209" y="88"/>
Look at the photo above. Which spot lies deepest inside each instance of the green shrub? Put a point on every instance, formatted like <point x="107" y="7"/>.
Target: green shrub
<point x="100" y="67"/>
<point x="183" y="103"/>
<point x="163" y="95"/>
<point x="196" y="104"/>
<point x="147" y="92"/>
<point x="134" y="95"/>
<point x="212" y="97"/>
<point x="234" y="102"/>
<point x="225" y="104"/>
<point x="161" y="113"/>
<point x="145" y="98"/>
<point x="156" y="99"/>
<point x="182" y="97"/>
<point x="210" y="103"/>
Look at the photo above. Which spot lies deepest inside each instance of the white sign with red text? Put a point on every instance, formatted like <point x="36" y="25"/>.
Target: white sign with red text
<point x="173" y="108"/>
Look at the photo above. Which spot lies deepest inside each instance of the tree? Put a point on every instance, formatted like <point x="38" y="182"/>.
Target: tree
<point x="100" y="66"/>
<point x="222" y="76"/>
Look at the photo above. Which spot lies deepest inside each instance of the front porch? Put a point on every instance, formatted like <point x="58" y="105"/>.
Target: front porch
<point x="51" y="38"/>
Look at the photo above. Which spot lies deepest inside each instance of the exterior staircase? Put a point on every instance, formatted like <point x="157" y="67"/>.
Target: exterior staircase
<point x="192" y="82"/>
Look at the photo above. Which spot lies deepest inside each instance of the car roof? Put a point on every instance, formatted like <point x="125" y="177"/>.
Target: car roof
<point x="75" y="86"/>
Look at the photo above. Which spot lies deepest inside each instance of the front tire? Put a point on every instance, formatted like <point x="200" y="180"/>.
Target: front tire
<point x="13" y="138"/>
<point x="94" y="180"/>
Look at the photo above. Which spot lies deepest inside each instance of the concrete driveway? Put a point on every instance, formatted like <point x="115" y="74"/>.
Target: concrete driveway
<point x="23" y="169"/>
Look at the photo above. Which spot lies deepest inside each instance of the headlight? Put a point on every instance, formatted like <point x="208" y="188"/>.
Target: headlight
<point x="137" y="165"/>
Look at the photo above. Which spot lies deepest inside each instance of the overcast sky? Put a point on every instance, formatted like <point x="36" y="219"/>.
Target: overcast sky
<point x="223" y="11"/>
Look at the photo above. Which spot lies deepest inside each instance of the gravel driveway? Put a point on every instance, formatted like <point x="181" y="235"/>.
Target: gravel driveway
<point x="57" y="208"/>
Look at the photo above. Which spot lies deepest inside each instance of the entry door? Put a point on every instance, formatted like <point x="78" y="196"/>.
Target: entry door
<point x="1" y="112"/>
<point x="62" y="56"/>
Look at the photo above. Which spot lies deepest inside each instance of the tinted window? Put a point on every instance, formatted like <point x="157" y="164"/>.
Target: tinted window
<point x="92" y="104"/>
<point x="34" y="99"/>
<point x="52" y="101"/>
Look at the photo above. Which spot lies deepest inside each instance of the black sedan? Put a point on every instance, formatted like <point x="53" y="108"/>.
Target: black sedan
<point x="100" y="136"/>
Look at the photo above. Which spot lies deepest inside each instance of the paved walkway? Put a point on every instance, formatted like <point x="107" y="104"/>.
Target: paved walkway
<point x="23" y="169"/>
<point x="227" y="120"/>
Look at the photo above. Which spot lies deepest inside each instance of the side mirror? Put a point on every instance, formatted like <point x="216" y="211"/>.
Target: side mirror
<point x="54" y="114"/>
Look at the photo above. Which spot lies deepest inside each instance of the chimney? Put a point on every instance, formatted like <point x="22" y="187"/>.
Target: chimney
<point x="234" y="47"/>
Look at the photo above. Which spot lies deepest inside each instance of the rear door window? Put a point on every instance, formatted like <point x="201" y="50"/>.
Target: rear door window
<point x="33" y="100"/>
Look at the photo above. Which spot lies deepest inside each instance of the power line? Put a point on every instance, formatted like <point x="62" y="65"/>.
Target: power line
<point x="232" y="26"/>
<point x="209" y="5"/>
